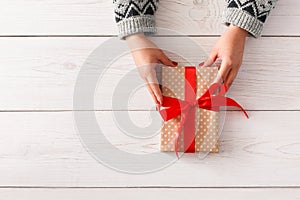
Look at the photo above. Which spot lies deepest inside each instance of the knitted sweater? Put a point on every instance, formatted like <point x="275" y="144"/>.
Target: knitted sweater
<point x="137" y="16"/>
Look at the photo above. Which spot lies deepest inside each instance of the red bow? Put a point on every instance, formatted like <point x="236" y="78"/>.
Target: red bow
<point x="212" y="99"/>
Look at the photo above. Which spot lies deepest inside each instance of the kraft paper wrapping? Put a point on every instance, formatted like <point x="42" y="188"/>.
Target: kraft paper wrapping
<point x="206" y="126"/>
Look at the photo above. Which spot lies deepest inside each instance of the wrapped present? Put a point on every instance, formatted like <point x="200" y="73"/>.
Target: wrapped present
<point x="191" y="102"/>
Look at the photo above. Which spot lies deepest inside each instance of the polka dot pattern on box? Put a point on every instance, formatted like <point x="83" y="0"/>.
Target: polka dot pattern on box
<point x="206" y="125"/>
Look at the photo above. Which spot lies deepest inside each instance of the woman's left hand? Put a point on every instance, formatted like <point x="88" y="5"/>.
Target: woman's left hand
<point x="230" y="49"/>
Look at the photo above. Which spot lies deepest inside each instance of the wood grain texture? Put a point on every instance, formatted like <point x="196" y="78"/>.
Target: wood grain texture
<point x="89" y="17"/>
<point x="149" y="193"/>
<point x="40" y="73"/>
<point x="44" y="149"/>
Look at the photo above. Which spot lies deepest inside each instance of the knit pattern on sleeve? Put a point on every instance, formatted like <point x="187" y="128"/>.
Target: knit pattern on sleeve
<point x="135" y="16"/>
<point x="248" y="14"/>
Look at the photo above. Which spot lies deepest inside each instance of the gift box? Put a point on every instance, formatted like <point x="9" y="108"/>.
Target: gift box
<point x="206" y="127"/>
<point x="191" y="102"/>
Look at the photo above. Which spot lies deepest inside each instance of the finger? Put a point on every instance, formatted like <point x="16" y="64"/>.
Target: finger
<point x="217" y="63"/>
<point x="223" y="71"/>
<point x="210" y="60"/>
<point x="230" y="78"/>
<point x="166" y="61"/>
<point x="154" y="86"/>
<point x="152" y="93"/>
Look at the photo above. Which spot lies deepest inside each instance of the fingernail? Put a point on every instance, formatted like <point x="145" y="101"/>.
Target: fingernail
<point x="159" y="102"/>
<point x="175" y="63"/>
<point x="201" y="64"/>
<point x="157" y="107"/>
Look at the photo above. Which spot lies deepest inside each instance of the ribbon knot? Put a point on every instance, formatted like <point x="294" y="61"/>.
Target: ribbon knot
<point x="193" y="103"/>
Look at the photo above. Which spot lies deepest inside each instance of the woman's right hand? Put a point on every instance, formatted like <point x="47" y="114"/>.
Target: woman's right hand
<point x="146" y="55"/>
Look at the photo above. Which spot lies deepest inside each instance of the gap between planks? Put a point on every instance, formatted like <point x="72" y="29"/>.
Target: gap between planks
<point x="151" y="187"/>
<point x="158" y="35"/>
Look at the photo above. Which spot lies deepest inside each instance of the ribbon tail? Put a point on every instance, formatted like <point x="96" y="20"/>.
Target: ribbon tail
<point x="231" y="102"/>
<point x="226" y="101"/>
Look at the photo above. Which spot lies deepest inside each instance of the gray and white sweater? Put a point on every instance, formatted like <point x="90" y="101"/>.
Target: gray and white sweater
<point x="137" y="16"/>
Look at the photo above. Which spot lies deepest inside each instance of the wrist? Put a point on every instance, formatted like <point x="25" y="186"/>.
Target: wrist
<point x="238" y="31"/>
<point x="139" y="41"/>
<point x="135" y="36"/>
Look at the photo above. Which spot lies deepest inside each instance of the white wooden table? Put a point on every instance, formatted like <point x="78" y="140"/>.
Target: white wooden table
<point x="43" y="46"/>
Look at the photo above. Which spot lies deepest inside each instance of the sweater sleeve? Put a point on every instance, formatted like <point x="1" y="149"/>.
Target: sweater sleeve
<point x="135" y="16"/>
<point x="249" y="15"/>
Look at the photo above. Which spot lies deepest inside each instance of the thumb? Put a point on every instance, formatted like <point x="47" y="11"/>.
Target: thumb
<point x="223" y="72"/>
<point x="166" y="61"/>
<point x="209" y="61"/>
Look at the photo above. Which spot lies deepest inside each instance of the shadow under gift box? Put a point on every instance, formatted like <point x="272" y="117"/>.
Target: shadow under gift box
<point x="206" y="131"/>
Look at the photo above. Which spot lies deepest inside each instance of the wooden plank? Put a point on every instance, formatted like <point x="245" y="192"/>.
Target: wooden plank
<point x="149" y="193"/>
<point x="44" y="149"/>
<point x="82" y="17"/>
<point x="40" y="73"/>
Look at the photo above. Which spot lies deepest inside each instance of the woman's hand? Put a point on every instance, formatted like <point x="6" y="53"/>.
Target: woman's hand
<point x="230" y="49"/>
<point x="146" y="55"/>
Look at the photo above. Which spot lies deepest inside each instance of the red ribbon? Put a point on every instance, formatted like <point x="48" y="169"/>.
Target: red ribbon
<point x="212" y="99"/>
